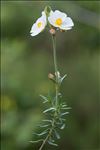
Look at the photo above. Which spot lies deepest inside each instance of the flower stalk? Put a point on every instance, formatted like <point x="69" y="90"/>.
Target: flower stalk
<point x="54" y="54"/>
<point x="57" y="21"/>
<point x="56" y="89"/>
<point x="55" y="65"/>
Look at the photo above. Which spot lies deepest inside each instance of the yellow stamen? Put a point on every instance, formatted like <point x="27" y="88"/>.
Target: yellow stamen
<point x="39" y="24"/>
<point x="58" y="21"/>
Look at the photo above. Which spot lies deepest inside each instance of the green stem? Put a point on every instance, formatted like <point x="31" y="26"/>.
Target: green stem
<point x="41" y="147"/>
<point x="49" y="134"/>
<point x="54" y="53"/>
<point x="57" y="90"/>
<point x="55" y="66"/>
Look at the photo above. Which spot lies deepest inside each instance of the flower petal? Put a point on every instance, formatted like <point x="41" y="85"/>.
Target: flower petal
<point x="60" y="14"/>
<point x="69" y="21"/>
<point x="51" y="20"/>
<point x="56" y="15"/>
<point x="43" y="13"/>
<point x="35" y="29"/>
<point x="67" y="24"/>
<point x="35" y="33"/>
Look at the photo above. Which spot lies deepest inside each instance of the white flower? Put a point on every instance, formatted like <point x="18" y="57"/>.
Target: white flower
<point x="60" y="20"/>
<point x="39" y="25"/>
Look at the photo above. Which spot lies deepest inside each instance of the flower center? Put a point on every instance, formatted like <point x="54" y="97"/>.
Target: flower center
<point x="39" y="24"/>
<point x="58" y="21"/>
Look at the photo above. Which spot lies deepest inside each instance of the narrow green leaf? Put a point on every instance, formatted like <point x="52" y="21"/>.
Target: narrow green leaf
<point x="50" y="109"/>
<point x="59" y="94"/>
<point x="44" y="98"/>
<point x="66" y="108"/>
<point x="51" y="140"/>
<point x="62" y="127"/>
<point x="51" y="143"/>
<point x="64" y="105"/>
<point x="36" y="141"/>
<point x="47" y="120"/>
<point x="42" y="133"/>
<point x="63" y="77"/>
<point x="57" y="134"/>
<point x="62" y="114"/>
<point x="44" y="126"/>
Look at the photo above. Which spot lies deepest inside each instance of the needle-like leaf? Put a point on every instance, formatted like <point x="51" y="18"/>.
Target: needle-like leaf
<point x="50" y="109"/>
<point x="51" y="143"/>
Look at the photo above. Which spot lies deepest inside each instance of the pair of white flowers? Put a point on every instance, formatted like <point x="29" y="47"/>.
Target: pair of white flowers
<point x="56" y="18"/>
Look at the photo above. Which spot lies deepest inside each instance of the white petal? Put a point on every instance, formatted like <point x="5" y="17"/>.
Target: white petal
<point x="51" y="17"/>
<point x="35" y="30"/>
<point x="44" y="17"/>
<point x="41" y="19"/>
<point x="51" y="20"/>
<point x="33" y="27"/>
<point x="60" y="14"/>
<point x="67" y="24"/>
<point x="65" y="28"/>
<point x="35" y="33"/>
<point x="43" y="13"/>
<point x="54" y="16"/>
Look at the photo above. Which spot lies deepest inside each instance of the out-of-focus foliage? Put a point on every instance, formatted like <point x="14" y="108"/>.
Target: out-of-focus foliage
<point x="26" y="62"/>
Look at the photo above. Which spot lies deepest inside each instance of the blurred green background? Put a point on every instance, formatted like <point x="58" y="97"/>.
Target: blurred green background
<point x="26" y="62"/>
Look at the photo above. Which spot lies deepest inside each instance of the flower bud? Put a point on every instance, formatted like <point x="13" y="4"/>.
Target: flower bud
<point x="50" y="76"/>
<point x="47" y="10"/>
<point x="52" y="31"/>
<point x="57" y="74"/>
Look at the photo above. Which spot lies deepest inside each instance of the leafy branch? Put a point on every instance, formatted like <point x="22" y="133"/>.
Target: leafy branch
<point x="57" y="109"/>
